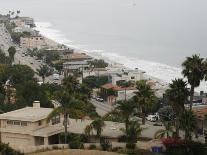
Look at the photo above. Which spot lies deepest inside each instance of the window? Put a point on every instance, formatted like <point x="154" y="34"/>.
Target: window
<point x="39" y="123"/>
<point x="23" y="123"/>
<point x="10" y="122"/>
<point x="132" y="77"/>
<point x="55" y="120"/>
<point x="16" y="122"/>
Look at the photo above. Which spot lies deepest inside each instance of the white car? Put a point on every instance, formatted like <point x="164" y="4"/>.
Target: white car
<point x="152" y="118"/>
<point x="56" y="76"/>
<point x="99" y="99"/>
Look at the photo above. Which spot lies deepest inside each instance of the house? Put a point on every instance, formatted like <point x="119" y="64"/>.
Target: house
<point x="200" y="114"/>
<point x="27" y="129"/>
<point x="22" y="29"/>
<point x="71" y="66"/>
<point x="112" y="93"/>
<point x="127" y="75"/>
<point x="75" y="56"/>
<point x="4" y="18"/>
<point x="34" y="41"/>
<point x="95" y="72"/>
<point x="23" y="21"/>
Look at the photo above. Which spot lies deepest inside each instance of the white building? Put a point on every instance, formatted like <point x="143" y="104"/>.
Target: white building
<point x="127" y="75"/>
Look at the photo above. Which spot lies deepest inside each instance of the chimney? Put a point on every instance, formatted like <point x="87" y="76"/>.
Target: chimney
<point x="36" y="104"/>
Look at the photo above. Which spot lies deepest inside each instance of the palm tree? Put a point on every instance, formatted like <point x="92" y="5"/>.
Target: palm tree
<point x="133" y="132"/>
<point x="70" y="83"/>
<point x="164" y="132"/>
<point x="193" y="70"/>
<point x="125" y="110"/>
<point x="43" y="72"/>
<point x="177" y="95"/>
<point x="188" y="123"/>
<point x="144" y="97"/>
<point x="65" y="109"/>
<point x="96" y="125"/>
<point x="12" y="51"/>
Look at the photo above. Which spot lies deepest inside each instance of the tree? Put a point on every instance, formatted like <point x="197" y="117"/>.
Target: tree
<point x="188" y="123"/>
<point x="96" y="125"/>
<point x="71" y="84"/>
<point x="193" y="70"/>
<point x="19" y="73"/>
<point x="3" y="58"/>
<point x="125" y="110"/>
<point x="133" y="132"/>
<point x="12" y="51"/>
<point x="43" y="72"/>
<point x="65" y="109"/>
<point x="164" y="132"/>
<point x="177" y="95"/>
<point x="144" y="97"/>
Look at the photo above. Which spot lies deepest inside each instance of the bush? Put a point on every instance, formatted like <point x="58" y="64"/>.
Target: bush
<point x="187" y="148"/>
<point x="130" y="146"/>
<point x="92" y="147"/>
<point x="116" y="149"/>
<point x="105" y="144"/>
<point x="5" y="149"/>
<point x="76" y="145"/>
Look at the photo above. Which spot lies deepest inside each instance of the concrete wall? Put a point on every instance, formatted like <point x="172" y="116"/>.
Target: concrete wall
<point x="17" y="140"/>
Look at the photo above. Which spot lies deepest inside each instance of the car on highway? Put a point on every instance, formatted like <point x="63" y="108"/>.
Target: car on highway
<point x="153" y="118"/>
<point x="99" y="99"/>
<point x="56" y="76"/>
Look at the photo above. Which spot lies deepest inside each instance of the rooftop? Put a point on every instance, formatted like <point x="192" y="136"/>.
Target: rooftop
<point x="115" y="87"/>
<point x="30" y="114"/>
<point x="111" y="129"/>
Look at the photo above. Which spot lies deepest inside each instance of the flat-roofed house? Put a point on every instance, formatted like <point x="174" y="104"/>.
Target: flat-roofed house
<point x="34" y="41"/>
<point x="71" y="66"/>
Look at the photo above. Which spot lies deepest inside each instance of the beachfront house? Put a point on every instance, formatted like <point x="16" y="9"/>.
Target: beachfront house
<point x="75" y="56"/>
<point x="23" y="21"/>
<point x="75" y="66"/>
<point x="33" y="41"/>
<point x="27" y="130"/>
<point x="113" y="93"/>
<point x="127" y="75"/>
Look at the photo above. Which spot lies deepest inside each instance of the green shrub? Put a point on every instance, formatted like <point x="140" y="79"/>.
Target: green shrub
<point x="5" y="149"/>
<point x="116" y="149"/>
<point x="76" y="145"/>
<point x="105" y="144"/>
<point x="92" y="147"/>
<point x="130" y="146"/>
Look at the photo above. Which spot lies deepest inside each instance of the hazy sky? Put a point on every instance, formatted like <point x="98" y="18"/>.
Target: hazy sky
<point x="157" y="30"/>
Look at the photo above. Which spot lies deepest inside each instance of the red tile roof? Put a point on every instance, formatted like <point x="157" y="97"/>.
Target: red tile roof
<point x="116" y="88"/>
<point x="200" y="112"/>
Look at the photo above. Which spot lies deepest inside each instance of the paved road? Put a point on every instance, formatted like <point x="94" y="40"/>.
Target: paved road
<point x="101" y="107"/>
<point x="20" y="58"/>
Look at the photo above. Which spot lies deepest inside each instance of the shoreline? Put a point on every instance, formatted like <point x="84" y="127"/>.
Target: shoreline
<point x="153" y="69"/>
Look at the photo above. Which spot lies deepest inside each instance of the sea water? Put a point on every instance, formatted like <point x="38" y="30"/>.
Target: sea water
<point x="153" y="35"/>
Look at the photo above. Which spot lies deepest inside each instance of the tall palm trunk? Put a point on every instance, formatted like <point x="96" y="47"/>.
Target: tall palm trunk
<point x="43" y="79"/>
<point x="191" y="96"/>
<point x="127" y="124"/>
<point x="177" y="125"/>
<point x="143" y="118"/>
<point x="66" y="126"/>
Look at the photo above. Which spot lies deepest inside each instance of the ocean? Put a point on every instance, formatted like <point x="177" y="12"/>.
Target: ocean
<point x="153" y="35"/>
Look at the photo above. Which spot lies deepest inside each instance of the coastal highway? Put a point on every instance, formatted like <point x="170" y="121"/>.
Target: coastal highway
<point x="101" y="107"/>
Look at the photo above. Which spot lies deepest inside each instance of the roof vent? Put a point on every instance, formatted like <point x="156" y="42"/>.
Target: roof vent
<point x="36" y="104"/>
